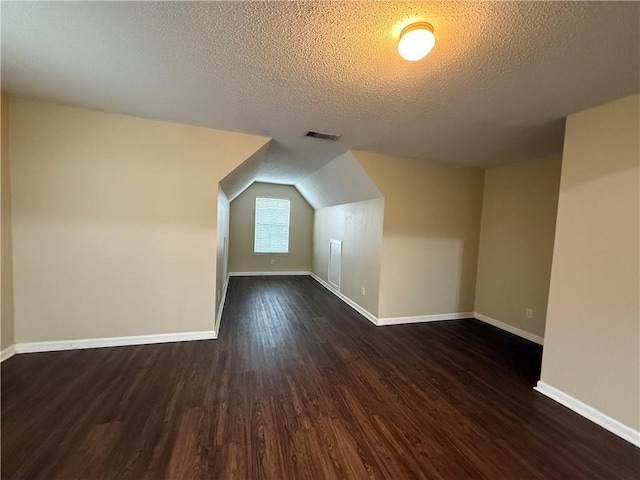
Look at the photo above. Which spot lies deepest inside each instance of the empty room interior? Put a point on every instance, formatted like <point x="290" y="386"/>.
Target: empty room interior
<point x="333" y="240"/>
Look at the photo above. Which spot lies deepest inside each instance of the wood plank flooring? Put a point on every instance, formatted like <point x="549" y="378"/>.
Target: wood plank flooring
<point x="299" y="386"/>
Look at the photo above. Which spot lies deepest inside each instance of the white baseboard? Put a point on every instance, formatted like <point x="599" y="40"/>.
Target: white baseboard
<point x="590" y="413"/>
<point x="379" y="322"/>
<point x="509" y="328"/>
<point x="263" y="274"/>
<point x="366" y="314"/>
<point x="216" y="327"/>
<point x="34" y="347"/>
<point x="7" y="353"/>
<point x="423" y="318"/>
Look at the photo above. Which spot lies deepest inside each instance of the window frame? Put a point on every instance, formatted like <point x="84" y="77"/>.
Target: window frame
<point x="255" y="225"/>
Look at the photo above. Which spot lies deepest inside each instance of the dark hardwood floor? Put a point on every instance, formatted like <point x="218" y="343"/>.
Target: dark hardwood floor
<point x="299" y="386"/>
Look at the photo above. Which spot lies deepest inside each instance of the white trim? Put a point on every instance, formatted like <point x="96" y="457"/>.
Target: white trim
<point x="263" y="274"/>
<point x="424" y="318"/>
<point x="7" y="353"/>
<point x="216" y="327"/>
<point x="333" y="241"/>
<point x="590" y="413"/>
<point x="379" y="322"/>
<point x="366" y="314"/>
<point x="113" y="341"/>
<point x="509" y="328"/>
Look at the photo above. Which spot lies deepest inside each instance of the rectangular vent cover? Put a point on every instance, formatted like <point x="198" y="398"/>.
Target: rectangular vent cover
<point x="323" y="136"/>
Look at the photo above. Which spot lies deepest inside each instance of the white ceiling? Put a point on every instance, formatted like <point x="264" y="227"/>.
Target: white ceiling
<point x="495" y="88"/>
<point x="341" y="181"/>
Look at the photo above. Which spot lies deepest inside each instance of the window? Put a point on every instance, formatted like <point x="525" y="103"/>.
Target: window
<point x="272" y="225"/>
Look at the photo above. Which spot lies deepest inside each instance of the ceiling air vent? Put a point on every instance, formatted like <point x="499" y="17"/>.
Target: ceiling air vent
<point x="323" y="136"/>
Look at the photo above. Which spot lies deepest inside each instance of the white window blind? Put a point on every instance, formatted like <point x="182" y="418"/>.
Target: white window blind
<point x="272" y="225"/>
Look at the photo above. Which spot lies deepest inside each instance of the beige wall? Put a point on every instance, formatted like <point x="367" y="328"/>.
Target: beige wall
<point x="516" y="242"/>
<point x="359" y="227"/>
<point x="222" y="251"/>
<point x="430" y="235"/>
<point x="7" y="336"/>
<point x="241" y="231"/>
<point x="242" y="177"/>
<point x="592" y="342"/>
<point x="114" y="222"/>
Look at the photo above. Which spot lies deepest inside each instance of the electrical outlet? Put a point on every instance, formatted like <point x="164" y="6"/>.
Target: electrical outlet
<point x="364" y="292"/>
<point x="528" y="312"/>
<point x="273" y="262"/>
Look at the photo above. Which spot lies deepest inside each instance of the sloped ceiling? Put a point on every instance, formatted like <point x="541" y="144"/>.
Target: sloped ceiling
<point x="340" y="181"/>
<point x="238" y="180"/>
<point x="496" y="87"/>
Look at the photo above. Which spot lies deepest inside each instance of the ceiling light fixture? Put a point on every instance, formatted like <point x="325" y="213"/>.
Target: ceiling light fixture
<point x="416" y="41"/>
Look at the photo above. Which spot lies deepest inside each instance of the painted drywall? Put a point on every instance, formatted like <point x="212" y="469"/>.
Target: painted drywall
<point x="222" y="250"/>
<point x="241" y="232"/>
<point x="114" y="222"/>
<point x="592" y="341"/>
<point x="341" y="181"/>
<point x="7" y="332"/>
<point x="519" y="208"/>
<point x="243" y="176"/>
<point x="430" y="235"/>
<point x="359" y="226"/>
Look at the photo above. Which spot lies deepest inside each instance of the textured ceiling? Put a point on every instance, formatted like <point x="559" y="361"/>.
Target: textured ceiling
<point x="495" y="88"/>
<point x="341" y="181"/>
